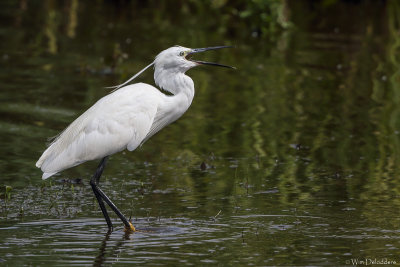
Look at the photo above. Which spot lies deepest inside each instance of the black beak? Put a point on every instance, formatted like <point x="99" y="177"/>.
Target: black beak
<point x="198" y="50"/>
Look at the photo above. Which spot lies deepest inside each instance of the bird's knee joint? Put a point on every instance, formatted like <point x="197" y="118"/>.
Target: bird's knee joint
<point x="93" y="182"/>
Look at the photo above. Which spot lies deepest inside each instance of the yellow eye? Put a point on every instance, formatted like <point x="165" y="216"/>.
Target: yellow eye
<point x="182" y="54"/>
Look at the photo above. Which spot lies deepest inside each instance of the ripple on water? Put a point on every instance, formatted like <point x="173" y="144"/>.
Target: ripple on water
<point x="84" y="241"/>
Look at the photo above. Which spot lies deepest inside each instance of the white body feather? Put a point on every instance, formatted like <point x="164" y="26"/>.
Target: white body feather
<point x="123" y="119"/>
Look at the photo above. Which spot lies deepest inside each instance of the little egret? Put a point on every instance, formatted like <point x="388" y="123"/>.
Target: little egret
<point x="125" y="119"/>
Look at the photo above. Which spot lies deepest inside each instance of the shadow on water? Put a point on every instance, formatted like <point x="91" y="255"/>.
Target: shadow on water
<point x="181" y="240"/>
<point x="77" y="241"/>
<point x="100" y="258"/>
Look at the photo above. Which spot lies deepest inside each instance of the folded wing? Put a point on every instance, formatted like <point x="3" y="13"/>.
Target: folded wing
<point x="117" y="121"/>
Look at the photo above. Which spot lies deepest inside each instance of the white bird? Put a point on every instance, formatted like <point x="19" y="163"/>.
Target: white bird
<point x="125" y="119"/>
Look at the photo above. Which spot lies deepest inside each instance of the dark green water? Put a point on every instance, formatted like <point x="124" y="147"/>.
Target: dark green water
<point x="292" y="159"/>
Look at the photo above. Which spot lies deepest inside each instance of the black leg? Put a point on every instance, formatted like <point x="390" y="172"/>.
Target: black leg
<point x="94" y="182"/>
<point x="128" y="224"/>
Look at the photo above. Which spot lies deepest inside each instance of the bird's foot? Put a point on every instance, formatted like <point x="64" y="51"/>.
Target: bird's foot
<point x="131" y="228"/>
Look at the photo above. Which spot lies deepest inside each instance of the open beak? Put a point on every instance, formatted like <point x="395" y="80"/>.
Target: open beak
<point x="198" y="50"/>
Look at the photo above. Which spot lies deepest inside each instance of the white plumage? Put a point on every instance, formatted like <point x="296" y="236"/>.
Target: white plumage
<point x="117" y="121"/>
<point x="127" y="117"/>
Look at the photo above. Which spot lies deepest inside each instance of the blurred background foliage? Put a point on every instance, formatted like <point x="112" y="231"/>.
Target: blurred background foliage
<point x="311" y="76"/>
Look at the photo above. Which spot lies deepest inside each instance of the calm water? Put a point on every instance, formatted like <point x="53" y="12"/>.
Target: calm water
<point x="292" y="159"/>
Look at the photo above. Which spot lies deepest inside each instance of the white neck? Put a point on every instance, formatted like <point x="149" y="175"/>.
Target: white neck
<point x="177" y="83"/>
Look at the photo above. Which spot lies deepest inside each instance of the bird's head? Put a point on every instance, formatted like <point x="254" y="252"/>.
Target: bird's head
<point x="172" y="61"/>
<point x="179" y="59"/>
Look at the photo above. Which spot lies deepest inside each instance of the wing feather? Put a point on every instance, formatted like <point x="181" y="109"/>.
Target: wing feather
<point x="117" y="121"/>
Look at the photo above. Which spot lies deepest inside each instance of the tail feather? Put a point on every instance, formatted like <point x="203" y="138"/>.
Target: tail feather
<point x="51" y="162"/>
<point x="47" y="175"/>
<point x="42" y="161"/>
<point x="42" y="158"/>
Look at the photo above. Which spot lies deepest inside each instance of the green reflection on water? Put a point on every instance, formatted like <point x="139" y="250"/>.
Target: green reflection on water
<point x="299" y="147"/>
